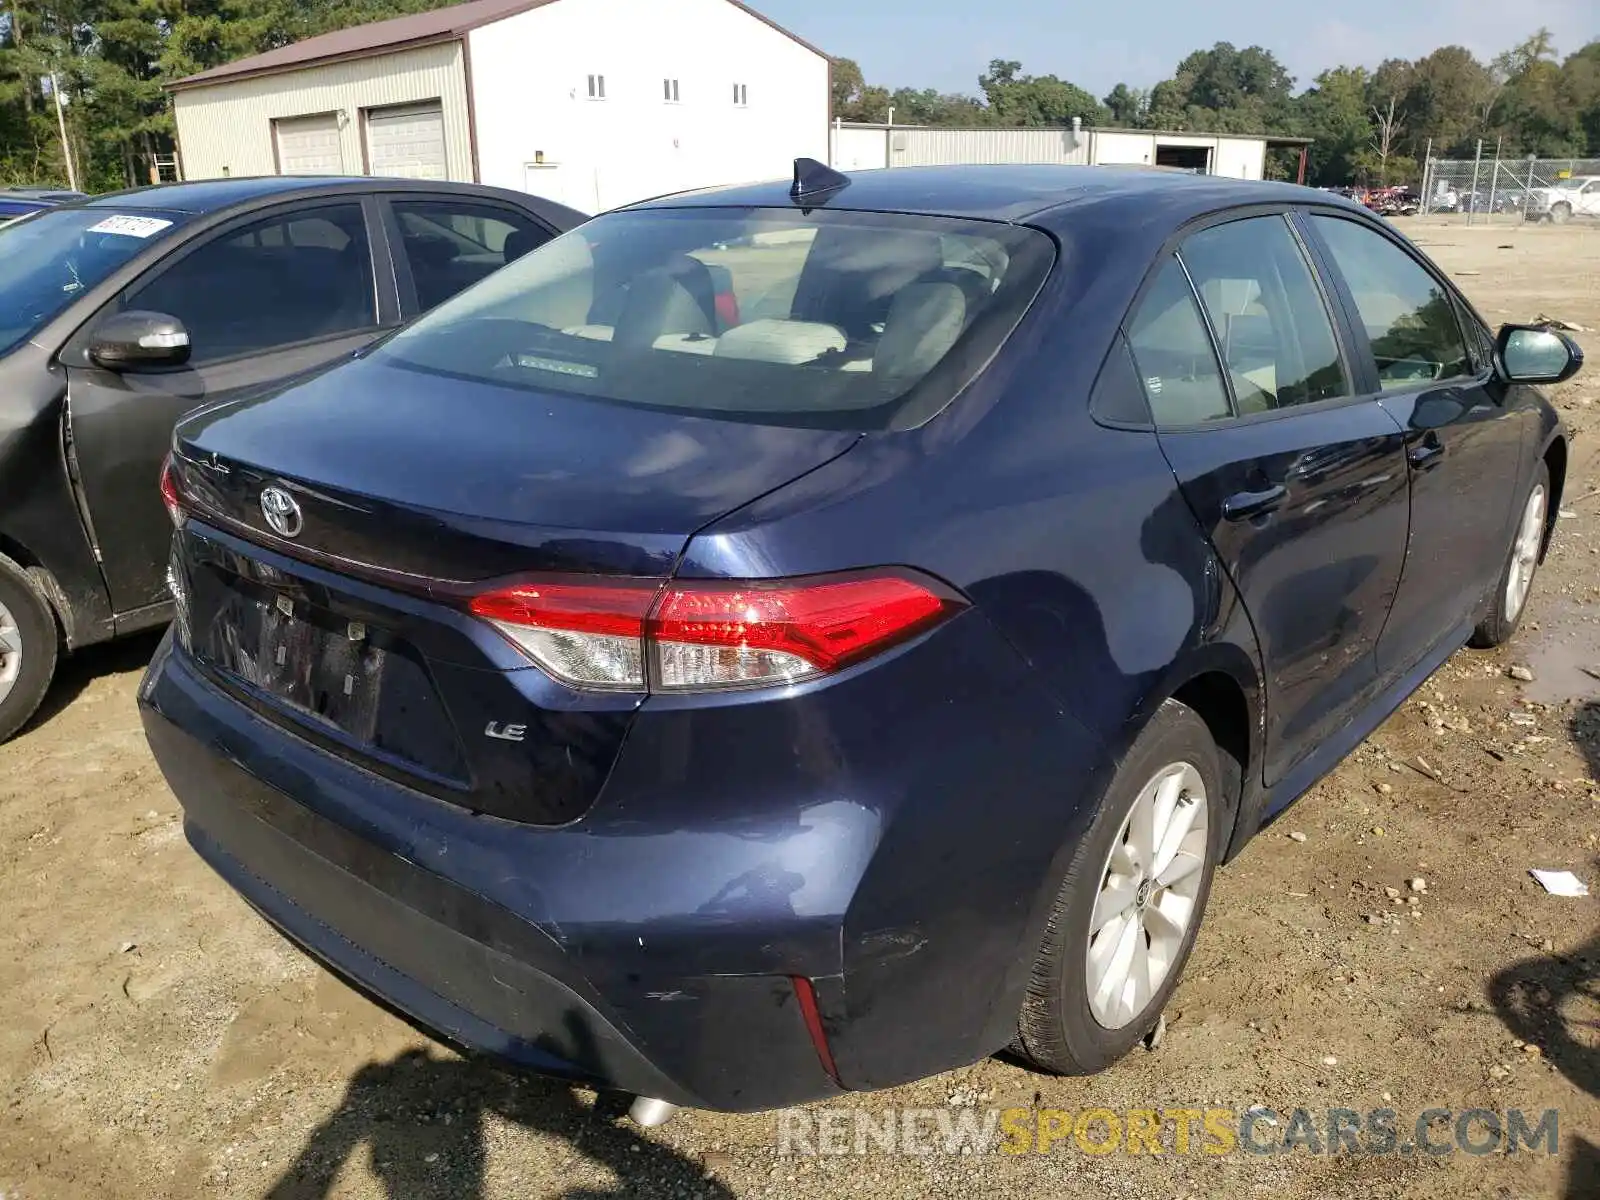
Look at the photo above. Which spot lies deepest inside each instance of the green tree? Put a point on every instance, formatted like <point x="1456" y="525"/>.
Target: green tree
<point x="1548" y="109"/>
<point x="1581" y="72"/>
<point x="847" y="83"/>
<point x="853" y="99"/>
<point x="1125" y="105"/>
<point x="1334" y="113"/>
<point x="1391" y="100"/>
<point x="928" y="107"/>
<point x="1225" y="90"/>
<point x="1034" y="101"/>
<point x="1444" y="101"/>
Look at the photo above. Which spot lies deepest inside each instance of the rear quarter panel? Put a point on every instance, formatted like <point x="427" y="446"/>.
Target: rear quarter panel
<point x="1080" y="554"/>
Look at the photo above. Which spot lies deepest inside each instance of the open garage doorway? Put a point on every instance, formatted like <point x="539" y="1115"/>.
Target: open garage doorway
<point x="1187" y="158"/>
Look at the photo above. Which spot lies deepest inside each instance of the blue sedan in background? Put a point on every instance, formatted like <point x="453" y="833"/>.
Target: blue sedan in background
<point x="782" y="640"/>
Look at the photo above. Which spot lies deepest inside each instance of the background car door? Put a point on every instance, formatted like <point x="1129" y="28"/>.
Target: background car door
<point x="1463" y="445"/>
<point x="445" y="244"/>
<point x="264" y="300"/>
<point x="1299" y="484"/>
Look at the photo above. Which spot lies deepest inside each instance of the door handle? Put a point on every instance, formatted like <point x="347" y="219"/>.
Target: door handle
<point x="1241" y="506"/>
<point x="1426" y="453"/>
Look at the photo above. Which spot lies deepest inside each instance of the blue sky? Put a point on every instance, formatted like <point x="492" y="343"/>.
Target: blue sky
<point x="946" y="44"/>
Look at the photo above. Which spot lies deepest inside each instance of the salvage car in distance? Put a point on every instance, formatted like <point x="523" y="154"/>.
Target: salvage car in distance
<point x="738" y="703"/>
<point x="121" y="313"/>
<point x="1578" y="196"/>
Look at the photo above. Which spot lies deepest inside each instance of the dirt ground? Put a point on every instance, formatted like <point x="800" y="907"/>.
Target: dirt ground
<point x="157" y="1040"/>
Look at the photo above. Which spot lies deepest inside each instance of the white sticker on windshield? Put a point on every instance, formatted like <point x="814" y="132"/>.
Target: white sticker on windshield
<point x="135" y="227"/>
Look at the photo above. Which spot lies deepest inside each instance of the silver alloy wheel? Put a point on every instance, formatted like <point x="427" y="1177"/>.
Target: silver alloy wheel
<point x="1525" y="553"/>
<point x="1149" y="889"/>
<point x="10" y="651"/>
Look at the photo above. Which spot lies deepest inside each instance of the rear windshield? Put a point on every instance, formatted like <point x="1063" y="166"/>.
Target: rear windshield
<point x="832" y="319"/>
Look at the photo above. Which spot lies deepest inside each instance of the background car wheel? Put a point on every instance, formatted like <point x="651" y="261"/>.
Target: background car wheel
<point x="1130" y="905"/>
<point x="27" y="647"/>
<point x="1510" y="598"/>
<point x="1560" y="214"/>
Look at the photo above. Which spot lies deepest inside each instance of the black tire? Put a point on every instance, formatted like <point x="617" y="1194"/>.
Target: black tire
<point x="36" y="628"/>
<point x="1560" y="214"/>
<point x="1057" y="1030"/>
<point x="1499" y="623"/>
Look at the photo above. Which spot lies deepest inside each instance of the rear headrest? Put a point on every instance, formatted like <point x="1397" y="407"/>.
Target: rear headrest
<point x="778" y="341"/>
<point x="658" y="303"/>
<point x="924" y="322"/>
<point x="430" y="251"/>
<point x="852" y="274"/>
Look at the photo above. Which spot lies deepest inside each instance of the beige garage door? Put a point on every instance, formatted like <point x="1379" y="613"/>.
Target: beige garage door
<point x="308" y="145"/>
<point x="407" y="142"/>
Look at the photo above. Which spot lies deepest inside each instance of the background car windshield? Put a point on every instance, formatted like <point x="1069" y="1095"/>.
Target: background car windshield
<point x="848" y="320"/>
<point x="53" y="258"/>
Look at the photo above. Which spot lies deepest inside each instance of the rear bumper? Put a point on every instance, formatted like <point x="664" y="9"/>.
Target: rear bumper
<point x="496" y="1004"/>
<point x="460" y="966"/>
<point x="895" y="838"/>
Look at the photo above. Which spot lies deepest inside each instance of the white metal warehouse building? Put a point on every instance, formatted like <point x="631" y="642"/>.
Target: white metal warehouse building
<point x="857" y="147"/>
<point x="593" y="103"/>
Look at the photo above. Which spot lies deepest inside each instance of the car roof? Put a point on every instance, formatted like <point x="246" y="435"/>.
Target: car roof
<point x="212" y="195"/>
<point x="1012" y="193"/>
<point x="50" y="194"/>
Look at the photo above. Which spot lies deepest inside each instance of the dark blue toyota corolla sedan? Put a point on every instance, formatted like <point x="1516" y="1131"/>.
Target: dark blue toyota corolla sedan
<point x="779" y="640"/>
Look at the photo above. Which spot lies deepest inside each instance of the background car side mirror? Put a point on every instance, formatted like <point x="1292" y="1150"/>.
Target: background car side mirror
<point x="1536" y="354"/>
<point x="134" y="339"/>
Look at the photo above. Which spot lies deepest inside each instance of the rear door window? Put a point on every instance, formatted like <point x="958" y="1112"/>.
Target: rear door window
<point x="1173" y="353"/>
<point x="837" y="319"/>
<point x="1267" y="313"/>
<point x="286" y="279"/>
<point x="450" y="245"/>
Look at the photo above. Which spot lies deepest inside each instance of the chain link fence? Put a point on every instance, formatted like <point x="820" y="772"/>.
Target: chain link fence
<point x="1512" y="189"/>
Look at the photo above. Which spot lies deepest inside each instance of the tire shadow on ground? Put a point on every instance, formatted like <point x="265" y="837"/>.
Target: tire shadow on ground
<point x="1553" y="1001"/>
<point x="74" y="672"/>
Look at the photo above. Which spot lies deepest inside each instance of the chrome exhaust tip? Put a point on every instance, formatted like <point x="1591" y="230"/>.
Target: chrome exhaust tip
<point x="648" y="1112"/>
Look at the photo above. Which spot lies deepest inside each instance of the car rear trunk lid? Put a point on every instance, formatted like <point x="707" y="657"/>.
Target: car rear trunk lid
<point x="410" y="494"/>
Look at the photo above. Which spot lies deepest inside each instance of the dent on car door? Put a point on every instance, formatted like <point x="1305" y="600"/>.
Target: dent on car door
<point x="1299" y="484"/>
<point x="1464" y="443"/>
<point x="264" y="300"/>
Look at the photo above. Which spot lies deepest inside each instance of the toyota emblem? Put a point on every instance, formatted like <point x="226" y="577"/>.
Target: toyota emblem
<point x="282" y="512"/>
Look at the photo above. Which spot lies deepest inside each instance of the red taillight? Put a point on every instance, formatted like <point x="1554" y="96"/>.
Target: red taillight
<point x="170" y="495"/>
<point x="715" y="635"/>
<point x="589" y="633"/>
<point x="727" y="305"/>
<point x="697" y="635"/>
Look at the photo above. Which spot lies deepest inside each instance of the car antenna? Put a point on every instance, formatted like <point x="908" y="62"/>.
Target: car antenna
<point x="813" y="180"/>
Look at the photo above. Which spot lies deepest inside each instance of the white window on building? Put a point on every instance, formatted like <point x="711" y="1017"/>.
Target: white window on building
<point x="669" y="90"/>
<point x="597" y="87"/>
<point x="741" y="95"/>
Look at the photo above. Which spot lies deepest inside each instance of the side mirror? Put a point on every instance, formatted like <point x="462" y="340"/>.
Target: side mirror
<point x="134" y="339"/>
<point x="1536" y="354"/>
